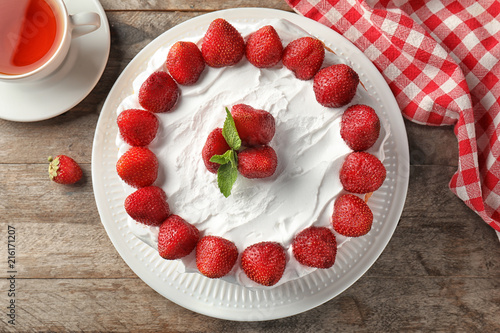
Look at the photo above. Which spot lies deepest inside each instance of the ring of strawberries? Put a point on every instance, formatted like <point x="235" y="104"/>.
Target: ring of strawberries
<point x="242" y="146"/>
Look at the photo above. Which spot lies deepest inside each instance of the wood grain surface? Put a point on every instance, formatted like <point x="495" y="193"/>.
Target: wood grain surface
<point x="439" y="273"/>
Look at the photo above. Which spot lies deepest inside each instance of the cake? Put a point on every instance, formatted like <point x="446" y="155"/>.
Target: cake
<point x="302" y="191"/>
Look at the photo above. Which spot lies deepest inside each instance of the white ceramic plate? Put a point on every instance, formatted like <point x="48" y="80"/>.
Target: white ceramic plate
<point x="70" y="84"/>
<point x="225" y="300"/>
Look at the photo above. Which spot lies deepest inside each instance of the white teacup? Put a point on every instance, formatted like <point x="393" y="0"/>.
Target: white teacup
<point x="66" y="25"/>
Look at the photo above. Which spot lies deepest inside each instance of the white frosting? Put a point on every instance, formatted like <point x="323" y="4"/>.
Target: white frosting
<point x="307" y="141"/>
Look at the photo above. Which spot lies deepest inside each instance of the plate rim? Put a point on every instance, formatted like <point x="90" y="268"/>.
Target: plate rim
<point x="286" y="310"/>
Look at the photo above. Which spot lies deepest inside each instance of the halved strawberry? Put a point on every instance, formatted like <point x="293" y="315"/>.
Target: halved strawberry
<point x="264" y="262"/>
<point x="138" y="167"/>
<point x="315" y="247"/>
<point x="176" y="238"/>
<point x="148" y="205"/>
<point x="215" y="256"/>
<point x="351" y="216"/>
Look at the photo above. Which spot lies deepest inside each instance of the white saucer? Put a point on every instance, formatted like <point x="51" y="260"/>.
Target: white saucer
<point x="72" y="82"/>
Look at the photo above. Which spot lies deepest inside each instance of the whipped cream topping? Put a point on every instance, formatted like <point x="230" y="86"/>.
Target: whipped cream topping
<point x="307" y="141"/>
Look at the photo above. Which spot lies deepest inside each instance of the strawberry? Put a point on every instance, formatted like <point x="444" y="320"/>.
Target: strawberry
<point x="215" y="256"/>
<point x="362" y="172"/>
<point x="351" y="216"/>
<point x="255" y="127"/>
<point x="360" y="127"/>
<point x="335" y="86"/>
<point x="185" y="62"/>
<point x="159" y="93"/>
<point x="137" y="127"/>
<point x="215" y="145"/>
<point x="148" y="205"/>
<point x="315" y="247"/>
<point x="64" y="170"/>
<point x="138" y="167"/>
<point x="176" y="238"/>
<point x="222" y="44"/>
<point x="264" y="262"/>
<point x="304" y="57"/>
<point x="264" y="48"/>
<point x="257" y="162"/>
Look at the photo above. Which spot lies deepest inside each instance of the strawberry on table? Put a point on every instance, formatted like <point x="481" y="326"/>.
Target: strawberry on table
<point x="215" y="256"/>
<point x="137" y="127"/>
<point x="64" y="170"/>
<point x="257" y="162"/>
<point x="264" y="48"/>
<point x="255" y="127"/>
<point x="351" y="216"/>
<point x="222" y="44"/>
<point x="185" y="62"/>
<point x="148" y="205"/>
<point x="264" y="262"/>
<point x="159" y="93"/>
<point x="362" y="172"/>
<point x="335" y="86"/>
<point x="215" y="145"/>
<point x="315" y="247"/>
<point x="138" y="167"/>
<point x="176" y="238"/>
<point x="360" y="127"/>
<point x="304" y="57"/>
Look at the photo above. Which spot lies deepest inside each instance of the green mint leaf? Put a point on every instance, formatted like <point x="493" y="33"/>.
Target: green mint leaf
<point x="233" y="159"/>
<point x="230" y="133"/>
<point x="226" y="176"/>
<point x="224" y="158"/>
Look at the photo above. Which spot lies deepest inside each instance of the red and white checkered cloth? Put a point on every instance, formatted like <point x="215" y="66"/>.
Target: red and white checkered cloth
<point x="441" y="60"/>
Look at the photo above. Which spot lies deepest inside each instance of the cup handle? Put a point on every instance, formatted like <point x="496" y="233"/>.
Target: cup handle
<point x="91" y="19"/>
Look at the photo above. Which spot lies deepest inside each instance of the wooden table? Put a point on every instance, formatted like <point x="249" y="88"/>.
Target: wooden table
<point x="440" y="272"/>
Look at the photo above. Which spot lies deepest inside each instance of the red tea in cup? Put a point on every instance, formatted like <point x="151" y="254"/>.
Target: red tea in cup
<point x="30" y="33"/>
